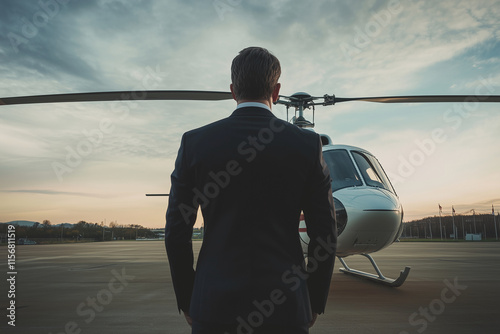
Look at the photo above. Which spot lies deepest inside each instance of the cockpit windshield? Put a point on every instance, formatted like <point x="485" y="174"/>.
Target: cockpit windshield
<point x="342" y="170"/>
<point x="344" y="173"/>
<point x="371" y="171"/>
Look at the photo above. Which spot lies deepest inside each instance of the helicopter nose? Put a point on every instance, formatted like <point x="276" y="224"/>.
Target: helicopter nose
<point x="374" y="199"/>
<point x="374" y="218"/>
<point x="376" y="205"/>
<point x="368" y="219"/>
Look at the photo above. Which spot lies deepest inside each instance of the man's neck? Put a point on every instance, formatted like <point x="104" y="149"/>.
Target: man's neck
<point x="253" y="104"/>
<point x="268" y="102"/>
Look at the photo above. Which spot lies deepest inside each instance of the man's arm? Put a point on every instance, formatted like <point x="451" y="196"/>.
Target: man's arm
<point x="180" y="217"/>
<point x="319" y="214"/>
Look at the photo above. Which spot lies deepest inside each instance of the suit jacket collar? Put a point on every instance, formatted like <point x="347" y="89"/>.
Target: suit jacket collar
<point x="253" y="104"/>
<point x="252" y="111"/>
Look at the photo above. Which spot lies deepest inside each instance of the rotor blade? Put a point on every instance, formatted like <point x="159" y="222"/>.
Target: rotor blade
<point x="157" y="194"/>
<point x="424" y="98"/>
<point x="120" y="96"/>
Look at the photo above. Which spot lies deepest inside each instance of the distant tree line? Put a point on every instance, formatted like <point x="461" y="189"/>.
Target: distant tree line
<point x="453" y="227"/>
<point x="81" y="231"/>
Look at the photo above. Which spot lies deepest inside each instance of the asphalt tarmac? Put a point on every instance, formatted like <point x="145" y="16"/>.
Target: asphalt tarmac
<point x="125" y="287"/>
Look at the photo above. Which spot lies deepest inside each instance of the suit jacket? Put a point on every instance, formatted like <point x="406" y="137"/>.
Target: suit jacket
<point x="252" y="174"/>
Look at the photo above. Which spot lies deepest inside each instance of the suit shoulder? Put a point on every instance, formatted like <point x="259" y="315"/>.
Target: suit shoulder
<point x="206" y="128"/>
<point x="306" y="135"/>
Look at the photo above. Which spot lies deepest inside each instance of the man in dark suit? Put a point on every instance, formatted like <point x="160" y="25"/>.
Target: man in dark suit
<point x="252" y="174"/>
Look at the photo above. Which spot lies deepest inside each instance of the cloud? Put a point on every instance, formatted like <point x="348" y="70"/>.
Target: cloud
<point x="98" y="45"/>
<point x="53" y="192"/>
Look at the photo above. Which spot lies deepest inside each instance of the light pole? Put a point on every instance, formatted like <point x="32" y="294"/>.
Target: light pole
<point x="440" y="226"/>
<point x="453" y="220"/>
<point x="474" y="217"/>
<point x="494" y="222"/>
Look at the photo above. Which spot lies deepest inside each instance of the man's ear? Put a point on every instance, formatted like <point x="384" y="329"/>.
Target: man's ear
<point x="276" y="92"/>
<point x="232" y="92"/>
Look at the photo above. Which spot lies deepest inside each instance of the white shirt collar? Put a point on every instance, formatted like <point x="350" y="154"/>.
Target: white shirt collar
<point x="253" y="104"/>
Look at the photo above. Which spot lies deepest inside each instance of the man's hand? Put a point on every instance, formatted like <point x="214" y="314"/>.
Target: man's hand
<point x="313" y="320"/>
<point x="188" y="319"/>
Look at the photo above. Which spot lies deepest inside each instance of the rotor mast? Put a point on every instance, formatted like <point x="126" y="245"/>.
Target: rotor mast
<point x="299" y="101"/>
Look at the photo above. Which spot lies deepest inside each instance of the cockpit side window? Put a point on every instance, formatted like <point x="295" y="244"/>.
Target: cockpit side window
<point x="371" y="171"/>
<point x="342" y="170"/>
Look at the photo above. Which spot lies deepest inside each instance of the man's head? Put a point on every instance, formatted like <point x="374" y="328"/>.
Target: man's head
<point x="254" y="75"/>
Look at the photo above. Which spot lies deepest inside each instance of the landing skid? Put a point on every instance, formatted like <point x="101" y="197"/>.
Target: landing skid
<point x="379" y="278"/>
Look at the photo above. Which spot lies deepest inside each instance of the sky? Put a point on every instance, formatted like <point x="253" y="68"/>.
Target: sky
<point x="95" y="161"/>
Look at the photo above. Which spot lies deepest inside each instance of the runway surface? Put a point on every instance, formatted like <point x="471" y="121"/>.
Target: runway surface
<point x="125" y="287"/>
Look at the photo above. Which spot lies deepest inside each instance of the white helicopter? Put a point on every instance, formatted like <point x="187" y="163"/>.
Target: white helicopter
<point x="369" y="213"/>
